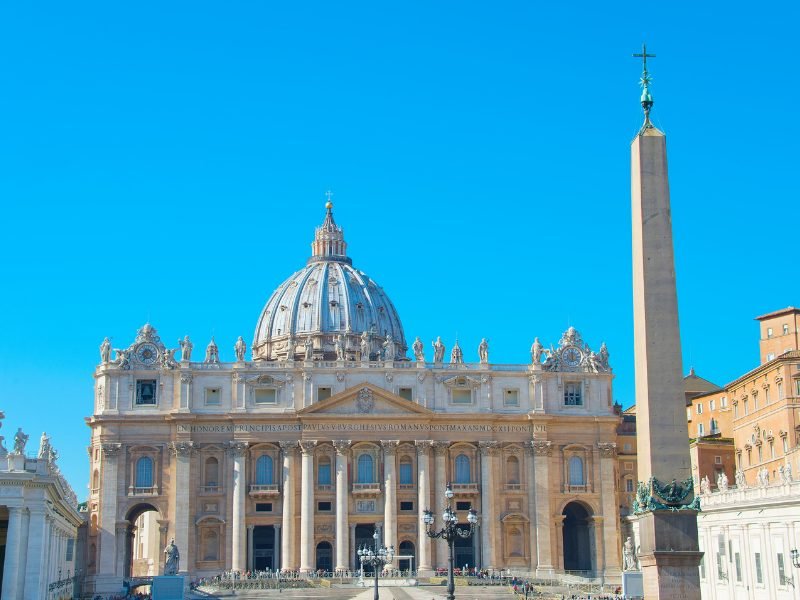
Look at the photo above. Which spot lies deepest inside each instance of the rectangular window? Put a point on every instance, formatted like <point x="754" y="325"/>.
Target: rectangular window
<point x="323" y="507"/>
<point x="717" y="460"/>
<point x="711" y="405"/>
<point x="759" y="576"/>
<point x="700" y="430"/>
<point x="749" y="458"/>
<point x="735" y="411"/>
<point x="755" y="403"/>
<point x="406" y="393"/>
<point x="70" y="549"/>
<point x="324" y="473"/>
<point x="461" y="505"/>
<point x="771" y="356"/>
<point x="780" y="390"/>
<point x="797" y="387"/>
<point x="145" y="391"/>
<point x="785" y="329"/>
<point x="785" y="445"/>
<point x="572" y="394"/>
<point x="760" y="454"/>
<point x="699" y="408"/>
<point x="688" y="413"/>
<point x="702" y="564"/>
<point x="724" y="402"/>
<point x="323" y="393"/>
<point x="766" y="394"/>
<point x="769" y="332"/>
<point x="511" y="398"/>
<point x="462" y="396"/>
<point x="720" y="557"/>
<point x="627" y="447"/>
<point x="406" y="506"/>
<point x="629" y="485"/>
<point x="746" y="412"/>
<point x="212" y="396"/>
<point x="406" y="473"/>
<point x="771" y="450"/>
<point x="781" y="570"/>
<point x="263" y="506"/>
<point x="266" y="396"/>
<point x="738" y="564"/>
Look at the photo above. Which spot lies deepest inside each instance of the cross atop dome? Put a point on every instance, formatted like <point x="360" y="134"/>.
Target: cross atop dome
<point x="329" y="244"/>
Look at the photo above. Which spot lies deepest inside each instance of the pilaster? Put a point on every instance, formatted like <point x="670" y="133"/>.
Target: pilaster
<point x="182" y="495"/>
<point x="440" y="449"/>
<point x="107" y="553"/>
<point x="609" y="527"/>
<point x="14" y="547"/>
<point x="390" y="493"/>
<point x="542" y="450"/>
<point x="488" y="450"/>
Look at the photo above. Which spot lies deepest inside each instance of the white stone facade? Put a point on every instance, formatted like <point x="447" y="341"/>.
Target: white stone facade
<point x="40" y="511"/>
<point x="747" y="536"/>
<point x="289" y="460"/>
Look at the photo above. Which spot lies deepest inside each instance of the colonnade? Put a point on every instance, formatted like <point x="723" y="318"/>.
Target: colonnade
<point x="427" y="451"/>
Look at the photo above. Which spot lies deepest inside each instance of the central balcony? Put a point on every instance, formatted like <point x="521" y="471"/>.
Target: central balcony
<point x="464" y="489"/>
<point x="366" y="489"/>
<point x="264" y="490"/>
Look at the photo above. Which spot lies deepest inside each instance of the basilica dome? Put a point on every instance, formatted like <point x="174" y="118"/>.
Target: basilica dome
<point x="323" y="300"/>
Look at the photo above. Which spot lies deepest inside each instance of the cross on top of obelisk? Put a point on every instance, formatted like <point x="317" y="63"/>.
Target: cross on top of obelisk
<point x="646" y="99"/>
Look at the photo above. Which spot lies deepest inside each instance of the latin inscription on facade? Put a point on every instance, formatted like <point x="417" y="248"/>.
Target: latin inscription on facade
<point x="334" y="427"/>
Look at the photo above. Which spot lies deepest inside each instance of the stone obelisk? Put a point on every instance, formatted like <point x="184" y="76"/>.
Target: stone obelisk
<point x="665" y="500"/>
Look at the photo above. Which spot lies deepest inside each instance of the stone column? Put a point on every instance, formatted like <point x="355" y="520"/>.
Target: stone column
<point x="669" y="553"/>
<point x="543" y="520"/>
<point x="36" y="553"/>
<point x="250" y="546"/>
<point x="276" y="544"/>
<point x="440" y="459"/>
<point x="423" y="503"/>
<point x="390" y="494"/>
<point x="307" y="507"/>
<point x="287" y="510"/>
<point x="181" y="510"/>
<point x="107" y="552"/>
<point x="609" y="528"/>
<point x="185" y="402"/>
<point x="239" y="534"/>
<point x="342" y="531"/>
<point x="488" y="450"/>
<point x="123" y="558"/>
<point x="353" y="560"/>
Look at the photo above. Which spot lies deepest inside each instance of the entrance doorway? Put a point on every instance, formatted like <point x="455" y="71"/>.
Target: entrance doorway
<point x="578" y="543"/>
<point x="143" y="543"/>
<point x="406" y="550"/>
<point x="264" y="547"/>
<point x="464" y="550"/>
<point x="364" y="533"/>
<point x="324" y="557"/>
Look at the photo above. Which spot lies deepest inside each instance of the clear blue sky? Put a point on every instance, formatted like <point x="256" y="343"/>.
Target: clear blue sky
<point x="168" y="161"/>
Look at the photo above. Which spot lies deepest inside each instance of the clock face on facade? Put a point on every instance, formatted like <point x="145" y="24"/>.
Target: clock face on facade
<point x="147" y="353"/>
<point x="571" y="356"/>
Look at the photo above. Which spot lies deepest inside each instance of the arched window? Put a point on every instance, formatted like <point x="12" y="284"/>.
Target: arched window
<point x="576" y="471"/>
<point x="324" y="471"/>
<point x="463" y="471"/>
<point x="406" y="471"/>
<point x="96" y="480"/>
<point x="144" y="472"/>
<point x="366" y="471"/>
<point x="211" y="545"/>
<point x="264" y="470"/>
<point x="512" y="470"/>
<point x="212" y="472"/>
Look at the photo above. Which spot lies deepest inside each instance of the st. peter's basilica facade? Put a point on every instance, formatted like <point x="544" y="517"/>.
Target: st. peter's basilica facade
<point x="292" y="458"/>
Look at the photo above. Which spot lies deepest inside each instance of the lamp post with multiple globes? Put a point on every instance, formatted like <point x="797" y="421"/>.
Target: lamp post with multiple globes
<point x="377" y="558"/>
<point x="450" y="531"/>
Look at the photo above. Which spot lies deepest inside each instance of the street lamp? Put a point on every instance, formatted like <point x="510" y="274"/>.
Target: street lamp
<point x="377" y="558"/>
<point x="450" y="531"/>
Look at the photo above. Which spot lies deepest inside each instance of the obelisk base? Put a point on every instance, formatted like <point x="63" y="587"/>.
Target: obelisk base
<point x="670" y="569"/>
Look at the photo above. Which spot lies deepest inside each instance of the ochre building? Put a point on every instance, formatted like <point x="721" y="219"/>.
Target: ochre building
<point x="338" y="425"/>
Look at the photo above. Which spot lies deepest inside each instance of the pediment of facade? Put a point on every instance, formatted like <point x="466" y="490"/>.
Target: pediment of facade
<point x="365" y="400"/>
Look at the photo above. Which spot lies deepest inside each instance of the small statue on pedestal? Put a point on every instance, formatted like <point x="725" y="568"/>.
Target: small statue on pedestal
<point x="172" y="558"/>
<point x="438" y="350"/>
<point x="240" y="348"/>
<point x="388" y="348"/>
<point x="20" y="439"/>
<point x="483" y="351"/>
<point x="186" y="349"/>
<point x="628" y="556"/>
<point x="105" y="351"/>
<point x="419" y="351"/>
